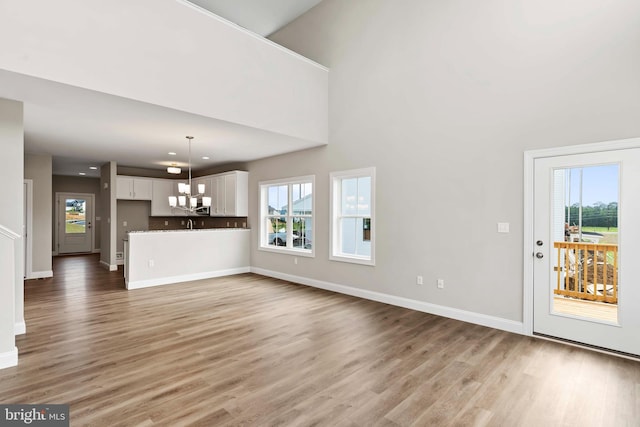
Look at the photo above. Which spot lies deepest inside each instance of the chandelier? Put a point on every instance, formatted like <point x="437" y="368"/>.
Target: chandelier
<point x="186" y="200"/>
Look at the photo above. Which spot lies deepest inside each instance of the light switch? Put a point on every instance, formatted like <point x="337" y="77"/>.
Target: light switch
<point x="503" y="227"/>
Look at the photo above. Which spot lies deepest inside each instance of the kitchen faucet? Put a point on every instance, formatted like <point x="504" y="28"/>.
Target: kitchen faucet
<point x="190" y="224"/>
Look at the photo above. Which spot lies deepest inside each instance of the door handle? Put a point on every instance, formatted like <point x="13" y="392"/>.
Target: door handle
<point x="539" y="255"/>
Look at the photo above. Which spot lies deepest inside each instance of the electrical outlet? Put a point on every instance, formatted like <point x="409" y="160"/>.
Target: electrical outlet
<point x="227" y="223"/>
<point x="440" y="283"/>
<point x="166" y="223"/>
<point x="235" y="224"/>
<point x="295" y="260"/>
<point x="124" y="223"/>
<point x="419" y="280"/>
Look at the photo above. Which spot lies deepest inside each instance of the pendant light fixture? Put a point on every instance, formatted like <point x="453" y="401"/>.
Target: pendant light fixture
<point x="186" y="199"/>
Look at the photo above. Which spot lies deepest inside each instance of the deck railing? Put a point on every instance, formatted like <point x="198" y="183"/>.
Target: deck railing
<point x="587" y="271"/>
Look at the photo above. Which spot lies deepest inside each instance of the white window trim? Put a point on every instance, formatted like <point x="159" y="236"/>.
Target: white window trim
<point x="262" y="241"/>
<point x="335" y="196"/>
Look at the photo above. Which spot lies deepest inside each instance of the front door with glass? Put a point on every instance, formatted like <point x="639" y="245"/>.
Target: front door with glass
<point x="74" y="223"/>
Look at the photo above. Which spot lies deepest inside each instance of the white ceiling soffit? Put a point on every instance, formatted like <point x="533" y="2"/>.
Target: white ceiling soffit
<point x="83" y="128"/>
<point x="260" y="16"/>
<point x="98" y="91"/>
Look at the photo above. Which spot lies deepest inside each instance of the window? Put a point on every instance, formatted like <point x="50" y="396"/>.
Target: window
<point x="352" y="216"/>
<point x="287" y="215"/>
<point x="75" y="217"/>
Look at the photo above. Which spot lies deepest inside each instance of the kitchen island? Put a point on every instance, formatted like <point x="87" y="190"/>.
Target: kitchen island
<point x="153" y="258"/>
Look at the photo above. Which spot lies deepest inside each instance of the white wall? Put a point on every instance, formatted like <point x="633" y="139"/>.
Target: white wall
<point x="443" y="97"/>
<point x="108" y="214"/>
<point x="166" y="53"/>
<point x="159" y="258"/>
<point x="11" y="217"/>
<point x="136" y="214"/>
<point x="37" y="167"/>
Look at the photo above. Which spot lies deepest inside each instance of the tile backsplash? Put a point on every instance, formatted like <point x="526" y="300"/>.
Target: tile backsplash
<point x="179" y="223"/>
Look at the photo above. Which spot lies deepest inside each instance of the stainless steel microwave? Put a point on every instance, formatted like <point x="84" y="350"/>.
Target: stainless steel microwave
<point x="202" y="210"/>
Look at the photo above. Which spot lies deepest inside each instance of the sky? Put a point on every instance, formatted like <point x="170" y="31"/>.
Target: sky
<point x="278" y="195"/>
<point x="599" y="184"/>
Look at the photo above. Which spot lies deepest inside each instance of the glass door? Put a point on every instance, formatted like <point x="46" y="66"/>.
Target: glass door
<point x="74" y="224"/>
<point x="586" y="240"/>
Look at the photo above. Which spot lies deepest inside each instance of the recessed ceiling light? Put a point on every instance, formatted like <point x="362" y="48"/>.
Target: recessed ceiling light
<point x="205" y="157"/>
<point x="93" y="168"/>
<point x="81" y="173"/>
<point x="171" y="153"/>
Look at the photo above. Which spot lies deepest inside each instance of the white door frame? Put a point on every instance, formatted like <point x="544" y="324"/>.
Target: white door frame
<point x="529" y="181"/>
<point x="90" y="196"/>
<point x="28" y="229"/>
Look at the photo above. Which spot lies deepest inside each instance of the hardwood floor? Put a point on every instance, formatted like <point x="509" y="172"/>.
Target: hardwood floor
<point x="249" y="350"/>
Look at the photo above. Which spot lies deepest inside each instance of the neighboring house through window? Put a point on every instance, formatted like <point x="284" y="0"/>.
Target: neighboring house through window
<point x="286" y="212"/>
<point x="353" y="216"/>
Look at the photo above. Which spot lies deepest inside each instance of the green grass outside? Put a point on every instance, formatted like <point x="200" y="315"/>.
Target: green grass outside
<point x="74" y="228"/>
<point x="601" y="229"/>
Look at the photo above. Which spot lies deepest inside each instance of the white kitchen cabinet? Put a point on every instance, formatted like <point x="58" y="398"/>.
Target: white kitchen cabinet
<point x="202" y="180"/>
<point x="162" y="189"/>
<point x="131" y="188"/>
<point x="231" y="194"/>
<point x="217" y="195"/>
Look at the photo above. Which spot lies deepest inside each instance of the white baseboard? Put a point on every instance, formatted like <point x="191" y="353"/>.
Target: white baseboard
<point x="9" y="358"/>
<point x="40" y="274"/>
<point x="439" y="310"/>
<point x="93" y="251"/>
<point x="108" y="266"/>
<point x="20" y="328"/>
<point x="138" y="284"/>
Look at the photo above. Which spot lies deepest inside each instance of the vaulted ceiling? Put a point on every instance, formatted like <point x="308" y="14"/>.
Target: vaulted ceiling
<point x="260" y="16"/>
